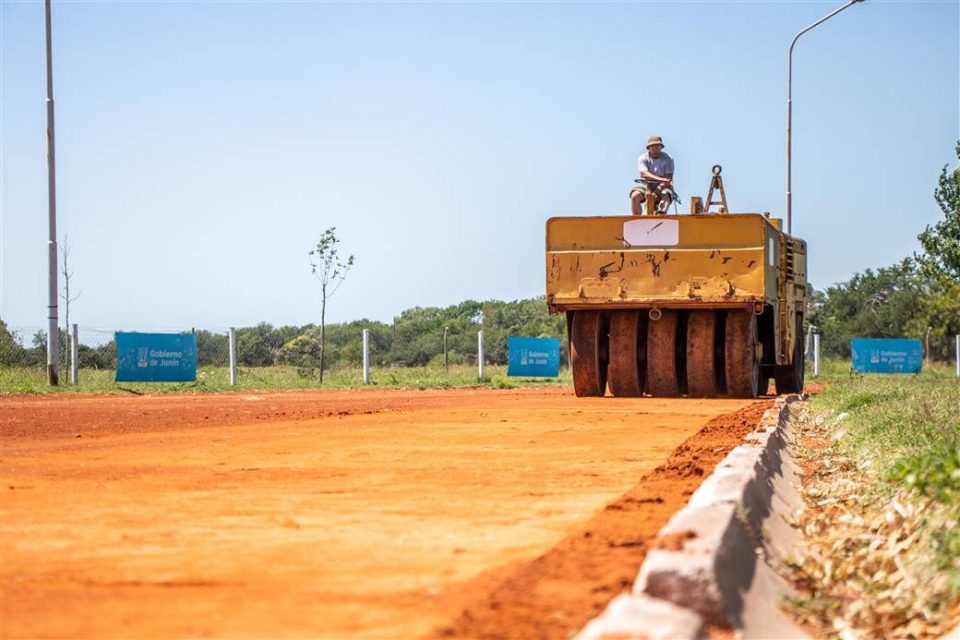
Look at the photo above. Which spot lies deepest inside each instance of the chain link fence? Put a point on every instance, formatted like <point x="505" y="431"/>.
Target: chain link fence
<point x="271" y="357"/>
<point x="23" y="355"/>
<point x="290" y="357"/>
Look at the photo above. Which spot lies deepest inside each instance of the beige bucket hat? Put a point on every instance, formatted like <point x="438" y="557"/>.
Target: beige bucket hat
<point x="652" y="140"/>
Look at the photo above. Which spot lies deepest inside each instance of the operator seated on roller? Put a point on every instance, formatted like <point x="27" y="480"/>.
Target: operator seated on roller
<point x="656" y="177"/>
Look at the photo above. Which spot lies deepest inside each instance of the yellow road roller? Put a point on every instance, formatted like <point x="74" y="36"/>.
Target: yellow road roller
<point x="700" y="305"/>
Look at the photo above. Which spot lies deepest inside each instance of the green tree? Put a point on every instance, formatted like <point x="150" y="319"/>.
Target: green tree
<point x="212" y="348"/>
<point x="330" y="271"/>
<point x="871" y="304"/>
<point x="301" y="352"/>
<point x="102" y="357"/>
<point x="941" y="242"/>
<point x="11" y="351"/>
<point x="259" y="346"/>
<point x="939" y="313"/>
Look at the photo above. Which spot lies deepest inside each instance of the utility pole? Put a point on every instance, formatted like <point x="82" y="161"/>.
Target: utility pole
<point x="53" y="333"/>
<point x="790" y="108"/>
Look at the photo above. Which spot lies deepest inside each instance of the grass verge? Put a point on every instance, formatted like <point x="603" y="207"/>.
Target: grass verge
<point x="882" y="485"/>
<point x="14" y="380"/>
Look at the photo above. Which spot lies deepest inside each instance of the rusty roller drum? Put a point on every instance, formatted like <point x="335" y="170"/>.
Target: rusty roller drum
<point x="702" y="360"/>
<point x="627" y="367"/>
<point x="588" y="353"/>
<point x="742" y="364"/>
<point x="662" y="370"/>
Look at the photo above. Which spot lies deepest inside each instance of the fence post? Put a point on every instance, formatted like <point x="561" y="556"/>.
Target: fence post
<point x="74" y="355"/>
<point x="480" y="353"/>
<point x="958" y="354"/>
<point x="233" y="356"/>
<point x="446" y="358"/>
<point x="816" y="355"/>
<point x="366" y="356"/>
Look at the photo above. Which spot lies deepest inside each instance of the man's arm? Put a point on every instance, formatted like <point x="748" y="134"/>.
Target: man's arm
<point x="652" y="177"/>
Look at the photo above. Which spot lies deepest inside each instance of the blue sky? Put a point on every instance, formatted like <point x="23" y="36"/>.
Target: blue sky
<point x="204" y="146"/>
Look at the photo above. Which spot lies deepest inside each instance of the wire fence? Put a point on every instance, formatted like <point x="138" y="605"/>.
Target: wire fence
<point x="268" y="357"/>
<point x="290" y="357"/>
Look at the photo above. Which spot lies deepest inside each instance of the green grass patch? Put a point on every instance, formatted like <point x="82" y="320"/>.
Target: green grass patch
<point x="897" y="421"/>
<point x="14" y="380"/>
<point x="935" y="473"/>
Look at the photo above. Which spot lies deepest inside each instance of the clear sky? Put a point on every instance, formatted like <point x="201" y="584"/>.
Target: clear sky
<point x="203" y="147"/>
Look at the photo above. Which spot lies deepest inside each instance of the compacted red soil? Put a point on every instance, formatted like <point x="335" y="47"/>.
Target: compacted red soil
<point x="347" y="514"/>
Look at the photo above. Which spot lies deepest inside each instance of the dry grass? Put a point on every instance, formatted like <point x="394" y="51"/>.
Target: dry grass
<point x="15" y="380"/>
<point x="881" y="559"/>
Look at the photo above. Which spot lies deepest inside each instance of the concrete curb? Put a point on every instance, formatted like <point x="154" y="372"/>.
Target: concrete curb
<point x="641" y="617"/>
<point x="712" y="562"/>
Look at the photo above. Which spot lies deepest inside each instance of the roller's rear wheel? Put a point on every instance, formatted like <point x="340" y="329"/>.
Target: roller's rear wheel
<point x="627" y="349"/>
<point x="789" y="377"/>
<point x="588" y="353"/>
<point x="662" y="367"/>
<point x="741" y="354"/>
<point x="702" y="354"/>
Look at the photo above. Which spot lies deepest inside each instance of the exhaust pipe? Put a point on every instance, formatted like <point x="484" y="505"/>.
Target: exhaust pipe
<point x="654" y="314"/>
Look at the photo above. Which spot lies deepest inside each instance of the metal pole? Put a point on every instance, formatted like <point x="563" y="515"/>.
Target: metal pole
<point x="958" y="354"/>
<point x="446" y="356"/>
<point x="480" y="353"/>
<point x="53" y="333"/>
<point x="366" y="356"/>
<point x="816" y="355"/>
<point x="790" y="108"/>
<point x="74" y="355"/>
<point x="232" y="342"/>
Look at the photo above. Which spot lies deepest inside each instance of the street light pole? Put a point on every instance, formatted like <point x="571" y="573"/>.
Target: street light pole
<point x="790" y="107"/>
<point x="53" y="331"/>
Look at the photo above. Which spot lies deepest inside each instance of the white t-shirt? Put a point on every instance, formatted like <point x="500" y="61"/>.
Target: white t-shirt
<point x="660" y="167"/>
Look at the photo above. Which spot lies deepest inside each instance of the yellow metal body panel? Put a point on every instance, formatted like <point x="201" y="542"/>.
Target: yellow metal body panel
<point x="714" y="260"/>
<point x="694" y="261"/>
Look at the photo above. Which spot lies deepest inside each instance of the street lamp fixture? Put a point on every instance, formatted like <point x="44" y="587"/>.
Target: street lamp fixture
<point x="790" y="106"/>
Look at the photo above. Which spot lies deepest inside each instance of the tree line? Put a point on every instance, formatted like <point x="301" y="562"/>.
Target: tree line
<point x="414" y="338"/>
<point x="916" y="297"/>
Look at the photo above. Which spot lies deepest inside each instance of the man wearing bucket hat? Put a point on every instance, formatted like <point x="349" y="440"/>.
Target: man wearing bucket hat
<point x="656" y="176"/>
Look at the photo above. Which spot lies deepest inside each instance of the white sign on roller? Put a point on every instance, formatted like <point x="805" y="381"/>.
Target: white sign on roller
<point x="651" y="232"/>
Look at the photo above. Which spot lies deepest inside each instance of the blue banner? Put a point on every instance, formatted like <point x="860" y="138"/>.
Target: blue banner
<point x="898" y="355"/>
<point x="156" y="357"/>
<point x="531" y="357"/>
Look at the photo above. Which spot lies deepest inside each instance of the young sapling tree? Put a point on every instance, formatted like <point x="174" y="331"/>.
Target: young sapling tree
<point x="330" y="271"/>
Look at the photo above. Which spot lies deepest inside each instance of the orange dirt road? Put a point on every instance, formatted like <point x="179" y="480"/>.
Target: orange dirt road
<point x="348" y="514"/>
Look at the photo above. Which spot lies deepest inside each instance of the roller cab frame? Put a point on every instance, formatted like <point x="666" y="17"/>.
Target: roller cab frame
<point x="696" y="305"/>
